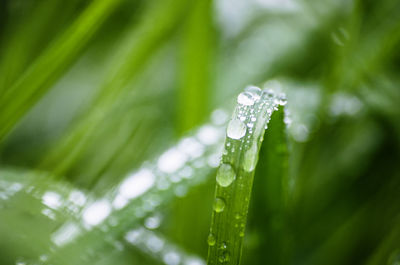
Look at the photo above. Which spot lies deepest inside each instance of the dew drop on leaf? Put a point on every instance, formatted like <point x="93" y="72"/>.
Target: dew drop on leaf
<point x="219" y="205"/>
<point x="236" y="129"/>
<point x="211" y="240"/>
<point x="255" y="91"/>
<point x="225" y="175"/>
<point x="224" y="257"/>
<point x="223" y="245"/>
<point x="282" y="100"/>
<point x="246" y="99"/>
<point x="250" y="158"/>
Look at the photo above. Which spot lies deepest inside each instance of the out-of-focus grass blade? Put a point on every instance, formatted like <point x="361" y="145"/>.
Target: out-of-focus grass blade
<point x="388" y="252"/>
<point x="27" y="34"/>
<point x="142" y="192"/>
<point x="343" y="245"/>
<point x="141" y="44"/>
<point x="47" y="68"/>
<point x="194" y="94"/>
<point x="56" y="212"/>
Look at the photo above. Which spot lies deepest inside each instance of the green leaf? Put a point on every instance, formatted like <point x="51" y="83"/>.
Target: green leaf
<point x="235" y="175"/>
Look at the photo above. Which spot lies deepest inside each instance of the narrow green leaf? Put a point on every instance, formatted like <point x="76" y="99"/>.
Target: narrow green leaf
<point x="142" y="193"/>
<point x="268" y="208"/>
<point x="19" y="98"/>
<point x="141" y="43"/>
<point x="235" y="175"/>
<point x="196" y="57"/>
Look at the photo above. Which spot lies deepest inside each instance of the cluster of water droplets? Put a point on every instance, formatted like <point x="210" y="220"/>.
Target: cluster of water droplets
<point x="175" y="171"/>
<point x="250" y="118"/>
<point x="244" y="135"/>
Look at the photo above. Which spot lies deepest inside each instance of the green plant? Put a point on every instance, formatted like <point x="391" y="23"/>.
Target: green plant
<point x="112" y="123"/>
<point x="245" y="133"/>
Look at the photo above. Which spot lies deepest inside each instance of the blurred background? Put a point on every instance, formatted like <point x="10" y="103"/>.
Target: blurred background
<point x="93" y="93"/>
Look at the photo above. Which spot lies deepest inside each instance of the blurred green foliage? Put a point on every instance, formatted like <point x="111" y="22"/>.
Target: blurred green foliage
<point x="91" y="90"/>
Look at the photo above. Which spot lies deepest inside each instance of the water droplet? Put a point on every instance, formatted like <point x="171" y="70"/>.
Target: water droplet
<point x="250" y="158"/>
<point x="213" y="160"/>
<point x="52" y="199"/>
<point x="154" y="243"/>
<point x="269" y="92"/>
<point x="246" y="99"/>
<point x="208" y="135"/>
<point x="194" y="261"/>
<point x="96" y="212"/>
<point x="66" y="233"/>
<point x="225" y="175"/>
<point x="77" y="197"/>
<point x="181" y="191"/>
<point x="224" y="257"/>
<point x="134" y="236"/>
<point x="255" y="91"/>
<point x="191" y="147"/>
<point x="219" y="205"/>
<point x="137" y="183"/>
<point x="219" y="117"/>
<point x="211" y="240"/>
<point x="241" y="234"/>
<point x="152" y="222"/>
<point x="223" y="245"/>
<point x="238" y="216"/>
<point x="236" y="129"/>
<point x="282" y="100"/>
<point x="172" y="258"/>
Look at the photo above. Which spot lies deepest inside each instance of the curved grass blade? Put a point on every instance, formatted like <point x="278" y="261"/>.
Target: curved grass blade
<point x="138" y="196"/>
<point x="269" y="207"/>
<point x="56" y="214"/>
<point x="235" y="175"/>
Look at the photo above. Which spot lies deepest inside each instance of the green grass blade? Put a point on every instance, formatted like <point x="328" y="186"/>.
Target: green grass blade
<point x="268" y="209"/>
<point x="141" y="44"/>
<point x="194" y="94"/>
<point x="19" y="98"/>
<point x="56" y="209"/>
<point x="235" y="174"/>
<point x="143" y="192"/>
<point x="29" y="34"/>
